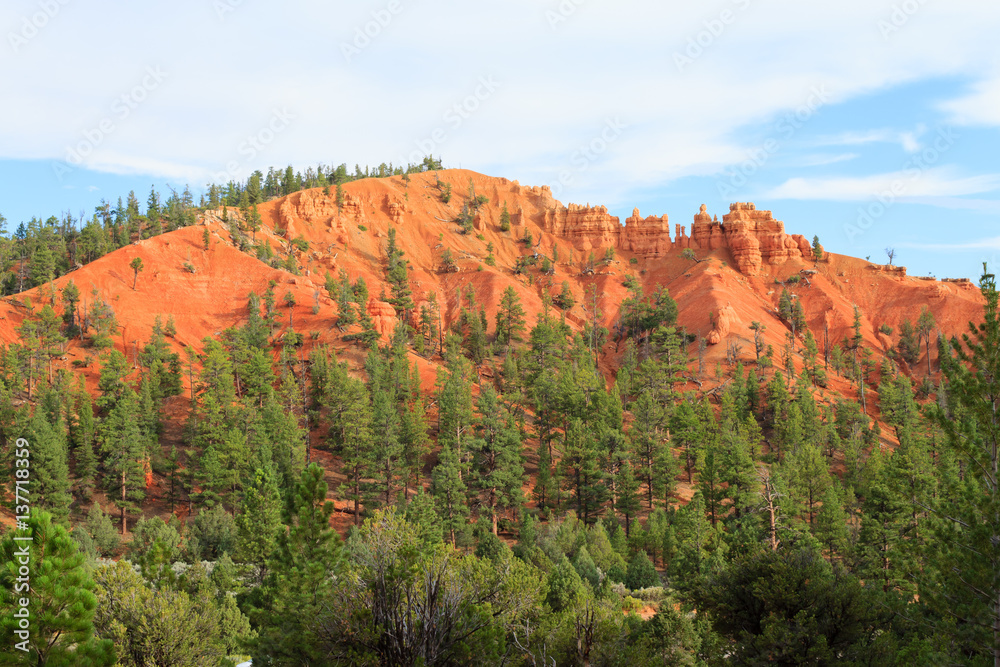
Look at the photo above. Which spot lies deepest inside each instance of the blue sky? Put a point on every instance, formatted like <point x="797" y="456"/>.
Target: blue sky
<point x="867" y="123"/>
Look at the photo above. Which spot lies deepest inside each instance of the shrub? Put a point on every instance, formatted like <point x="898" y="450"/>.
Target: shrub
<point x="106" y="539"/>
<point x="492" y="547"/>
<point x="362" y="228"/>
<point x="212" y="534"/>
<point x="641" y="573"/>
<point x="565" y="586"/>
<point x="584" y="566"/>
<point x="149" y="531"/>
<point x="189" y="267"/>
<point x="633" y="260"/>
<point x="886" y="329"/>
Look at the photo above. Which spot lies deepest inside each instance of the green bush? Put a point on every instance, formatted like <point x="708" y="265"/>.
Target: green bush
<point x="584" y="566"/>
<point x="105" y="537"/>
<point x="641" y="573"/>
<point x="149" y="531"/>
<point x="212" y="534"/>
<point x="565" y="586"/>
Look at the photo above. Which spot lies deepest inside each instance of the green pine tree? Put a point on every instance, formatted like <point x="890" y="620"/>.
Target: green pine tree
<point x="62" y="601"/>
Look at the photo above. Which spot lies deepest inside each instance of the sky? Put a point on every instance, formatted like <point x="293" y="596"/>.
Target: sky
<point x="872" y="124"/>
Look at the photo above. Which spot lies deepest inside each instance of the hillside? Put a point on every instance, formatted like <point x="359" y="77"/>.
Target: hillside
<point x="732" y="283"/>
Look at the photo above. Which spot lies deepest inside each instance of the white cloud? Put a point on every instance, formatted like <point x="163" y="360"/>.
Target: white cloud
<point x="559" y="82"/>
<point x="980" y="106"/>
<point x="821" y="160"/>
<point x="908" y="140"/>
<point x="978" y="244"/>
<point x="907" y="183"/>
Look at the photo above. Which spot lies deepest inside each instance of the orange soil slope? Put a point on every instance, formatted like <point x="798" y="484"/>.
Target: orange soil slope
<point x="710" y="294"/>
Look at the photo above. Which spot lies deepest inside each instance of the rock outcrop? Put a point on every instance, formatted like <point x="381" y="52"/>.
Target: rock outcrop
<point x="753" y="237"/>
<point x="586" y="227"/>
<point x="649" y="237"/>
<point x="725" y="321"/>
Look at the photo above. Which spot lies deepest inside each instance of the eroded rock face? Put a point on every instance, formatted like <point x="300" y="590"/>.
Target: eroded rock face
<point x="383" y="316"/>
<point x="753" y="236"/>
<point x="649" y="237"/>
<point x="306" y="205"/>
<point x="725" y="321"/>
<point x="395" y="210"/>
<point x="774" y="246"/>
<point x="586" y="227"/>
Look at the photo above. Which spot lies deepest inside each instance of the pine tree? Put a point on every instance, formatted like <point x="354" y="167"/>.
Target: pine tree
<point x="259" y="520"/>
<point x="510" y="318"/>
<point x="964" y="545"/>
<point x="925" y="325"/>
<point x="62" y="602"/>
<point x="49" y="467"/>
<point x="82" y="434"/>
<point x="300" y="576"/>
<point x="627" y="501"/>
<point x="420" y="512"/>
<point x="454" y="391"/>
<point x="70" y="299"/>
<point x="123" y="447"/>
<point x="136" y="266"/>
<point x="831" y="524"/>
<point x="497" y="468"/>
<point x="396" y="274"/>
<point x="809" y="476"/>
<point x="347" y="400"/>
<point x="449" y="495"/>
<point x="646" y="439"/>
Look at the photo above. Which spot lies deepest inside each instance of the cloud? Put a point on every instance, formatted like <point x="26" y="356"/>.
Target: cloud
<point x="980" y="106"/>
<point x="903" y="184"/>
<point x="979" y="244"/>
<point x="556" y="92"/>
<point x="908" y="140"/>
<point x="820" y="160"/>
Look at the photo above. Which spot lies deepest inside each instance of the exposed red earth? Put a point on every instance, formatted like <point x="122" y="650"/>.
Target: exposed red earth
<point x="734" y="279"/>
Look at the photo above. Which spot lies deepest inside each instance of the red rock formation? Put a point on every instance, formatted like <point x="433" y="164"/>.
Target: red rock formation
<point x="394" y="209"/>
<point x="649" y="237"/>
<point x="383" y="315"/>
<point x="588" y="228"/>
<point x="725" y="321"/>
